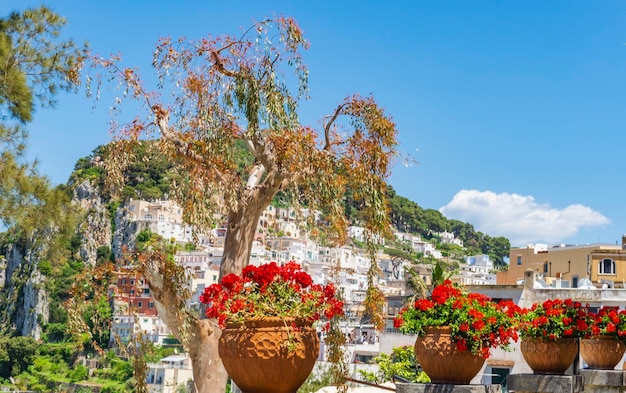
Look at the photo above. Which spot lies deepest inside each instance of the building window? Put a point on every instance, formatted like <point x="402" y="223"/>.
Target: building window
<point x="545" y="267"/>
<point x="151" y="305"/>
<point x="498" y="376"/>
<point x="139" y="304"/>
<point x="519" y="261"/>
<point x="607" y="266"/>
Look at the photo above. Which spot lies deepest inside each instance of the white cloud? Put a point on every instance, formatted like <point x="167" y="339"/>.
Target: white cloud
<point x="520" y="218"/>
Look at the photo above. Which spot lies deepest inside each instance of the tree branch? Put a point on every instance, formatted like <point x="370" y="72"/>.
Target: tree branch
<point x="220" y="65"/>
<point x="333" y="117"/>
<point x="255" y="175"/>
<point x="162" y="121"/>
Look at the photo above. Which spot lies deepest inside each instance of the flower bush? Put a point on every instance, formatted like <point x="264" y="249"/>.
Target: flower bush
<point x="553" y="319"/>
<point x="608" y="321"/>
<point x="477" y="323"/>
<point x="270" y="290"/>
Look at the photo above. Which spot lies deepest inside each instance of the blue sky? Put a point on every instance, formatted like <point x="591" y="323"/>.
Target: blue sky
<point x="514" y="110"/>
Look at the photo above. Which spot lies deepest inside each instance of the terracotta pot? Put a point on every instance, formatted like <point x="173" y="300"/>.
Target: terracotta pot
<point x="258" y="360"/>
<point x="438" y="356"/>
<point x="603" y="352"/>
<point x="549" y="356"/>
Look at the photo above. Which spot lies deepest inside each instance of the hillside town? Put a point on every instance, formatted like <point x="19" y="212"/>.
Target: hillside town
<point x="245" y="225"/>
<point x="280" y="238"/>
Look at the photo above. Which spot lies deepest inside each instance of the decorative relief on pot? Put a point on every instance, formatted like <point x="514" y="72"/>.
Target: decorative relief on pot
<point x="265" y="356"/>
<point x="549" y="356"/>
<point x="438" y="356"/>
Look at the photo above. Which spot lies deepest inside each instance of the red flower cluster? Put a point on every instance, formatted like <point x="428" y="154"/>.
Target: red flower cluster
<point x="608" y="321"/>
<point x="554" y="319"/>
<point x="270" y="290"/>
<point x="442" y="293"/>
<point x="477" y="323"/>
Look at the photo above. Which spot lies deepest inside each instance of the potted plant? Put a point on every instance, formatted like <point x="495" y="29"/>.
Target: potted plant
<point x="550" y="331"/>
<point x="602" y="343"/>
<point x="266" y="314"/>
<point x="451" y="323"/>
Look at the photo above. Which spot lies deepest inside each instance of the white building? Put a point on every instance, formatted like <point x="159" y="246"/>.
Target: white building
<point x="289" y="249"/>
<point x="480" y="261"/>
<point x="288" y="228"/>
<point x="478" y="270"/>
<point x="356" y="233"/>
<point x="259" y="254"/>
<point x="448" y="237"/>
<point x="201" y="269"/>
<point x="427" y="249"/>
<point x="360" y="234"/>
<point x="418" y="245"/>
<point x="193" y="260"/>
<point x="169" y="374"/>
<point x="268" y="217"/>
<point x="163" y="218"/>
<point x="407" y="238"/>
<point x="151" y="327"/>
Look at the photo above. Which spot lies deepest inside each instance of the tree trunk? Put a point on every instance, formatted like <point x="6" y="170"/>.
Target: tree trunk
<point x="242" y="225"/>
<point x="201" y="336"/>
<point x="209" y="374"/>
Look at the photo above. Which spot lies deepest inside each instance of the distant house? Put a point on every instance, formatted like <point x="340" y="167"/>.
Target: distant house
<point x="169" y="374"/>
<point x="448" y="237"/>
<point x="151" y="327"/>
<point x="360" y="234"/>
<point x="201" y="268"/>
<point x="131" y="293"/>
<point x="427" y="249"/>
<point x="602" y="264"/>
<point x="477" y="270"/>
<point x="163" y="218"/>
<point x="419" y="245"/>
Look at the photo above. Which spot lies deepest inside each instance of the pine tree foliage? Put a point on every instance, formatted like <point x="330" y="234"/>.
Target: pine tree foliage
<point x="35" y="65"/>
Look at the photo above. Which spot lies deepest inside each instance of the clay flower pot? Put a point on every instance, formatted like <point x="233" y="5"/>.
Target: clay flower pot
<point x="262" y="355"/>
<point x="602" y="352"/>
<point x="440" y="359"/>
<point x="549" y="356"/>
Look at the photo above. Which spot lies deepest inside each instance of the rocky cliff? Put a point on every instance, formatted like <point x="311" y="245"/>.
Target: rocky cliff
<point x="96" y="229"/>
<point x="24" y="302"/>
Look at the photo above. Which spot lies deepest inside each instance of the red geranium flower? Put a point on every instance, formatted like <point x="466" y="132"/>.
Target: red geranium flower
<point x="477" y="323"/>
<point x="607" y="321"/>
<point x="552" y="319"/>
<point x="270" y="290"/>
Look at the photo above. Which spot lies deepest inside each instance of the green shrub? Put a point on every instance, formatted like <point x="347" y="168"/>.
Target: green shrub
<point x="78" y="373"/>
<point x="401" y="362"/>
